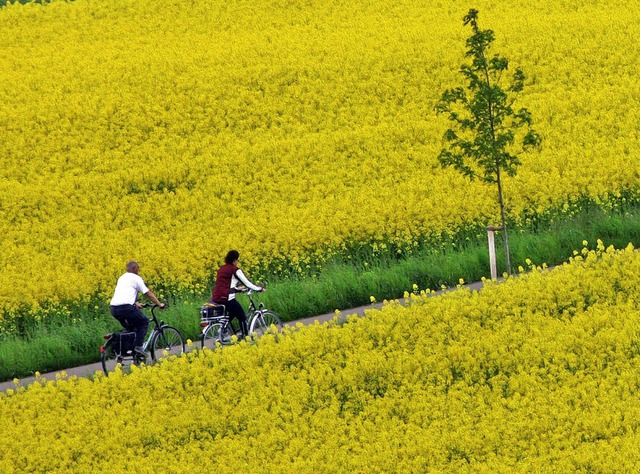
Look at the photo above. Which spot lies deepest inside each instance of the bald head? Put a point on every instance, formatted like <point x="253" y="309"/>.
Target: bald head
<point x="132" y="266"/>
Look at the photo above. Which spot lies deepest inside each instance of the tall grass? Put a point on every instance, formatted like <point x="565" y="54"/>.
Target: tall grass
<point x="52" y="345"/>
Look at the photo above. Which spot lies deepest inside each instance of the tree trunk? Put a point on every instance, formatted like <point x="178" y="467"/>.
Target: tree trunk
<point x="504" y="223"/>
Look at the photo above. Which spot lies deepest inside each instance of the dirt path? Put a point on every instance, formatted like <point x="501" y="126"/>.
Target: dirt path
<point x="89" y="370"/>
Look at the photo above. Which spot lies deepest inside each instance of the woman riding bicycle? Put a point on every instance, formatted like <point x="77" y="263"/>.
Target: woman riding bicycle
<point x="227" y="280"/>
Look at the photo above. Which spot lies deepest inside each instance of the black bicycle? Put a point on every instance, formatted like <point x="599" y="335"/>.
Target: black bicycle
<point x="162" y="341"/>
<point x="217" y="328"/>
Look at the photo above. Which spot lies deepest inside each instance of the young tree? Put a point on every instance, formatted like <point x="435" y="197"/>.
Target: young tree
<point x="488" y="134"/>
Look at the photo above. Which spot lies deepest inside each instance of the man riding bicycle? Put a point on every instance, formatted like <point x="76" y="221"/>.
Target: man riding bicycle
<point x="126" y="309"/>
<point x="227" y="279"/>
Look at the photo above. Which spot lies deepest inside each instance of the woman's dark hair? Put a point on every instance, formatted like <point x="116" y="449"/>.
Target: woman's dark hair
<point x="232" y="256"/>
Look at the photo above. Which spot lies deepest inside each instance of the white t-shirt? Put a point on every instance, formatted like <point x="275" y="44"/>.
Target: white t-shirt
<point x="127" y="289"/>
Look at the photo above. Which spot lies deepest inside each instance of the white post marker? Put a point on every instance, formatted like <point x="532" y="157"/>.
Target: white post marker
<point x="491" y="230"/>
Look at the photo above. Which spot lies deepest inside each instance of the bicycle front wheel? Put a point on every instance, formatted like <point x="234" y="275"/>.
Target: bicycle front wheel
<point x="166" y="341"/>
<point x="110" y="359"/>
<point x="262" y="321"/>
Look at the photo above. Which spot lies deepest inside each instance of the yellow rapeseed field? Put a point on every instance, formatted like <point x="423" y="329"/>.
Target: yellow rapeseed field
<point x="170" y="132"/>
<point x="539" y="373"/>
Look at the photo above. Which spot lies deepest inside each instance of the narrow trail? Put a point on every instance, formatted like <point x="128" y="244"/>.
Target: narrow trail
<point x="90" y="369"/>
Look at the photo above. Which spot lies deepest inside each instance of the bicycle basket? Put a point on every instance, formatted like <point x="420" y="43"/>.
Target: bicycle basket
<point x="208" y="313"/>
<point x="122" y="341"/>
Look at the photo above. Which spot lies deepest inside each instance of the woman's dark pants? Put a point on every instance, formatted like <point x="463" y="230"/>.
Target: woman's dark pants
<point x="235" y="310"/>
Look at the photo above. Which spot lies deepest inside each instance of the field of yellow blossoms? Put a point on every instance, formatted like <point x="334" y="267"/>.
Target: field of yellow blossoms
<point x="539" y="373"/>
<point x="170" y="132"/>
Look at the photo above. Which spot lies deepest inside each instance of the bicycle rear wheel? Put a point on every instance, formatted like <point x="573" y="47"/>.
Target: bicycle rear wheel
<point x="262" y="321"/>
<point x="212" y="336"/>
<point x="166" y="341"/>
<point x="110" y="359"/>
<point x="226" y="334"/>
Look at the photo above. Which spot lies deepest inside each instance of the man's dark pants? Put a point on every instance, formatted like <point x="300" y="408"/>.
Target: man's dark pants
<point x="132" y="319"/>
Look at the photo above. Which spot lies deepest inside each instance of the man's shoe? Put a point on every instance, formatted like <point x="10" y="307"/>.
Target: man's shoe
<point x="139" y="356"/>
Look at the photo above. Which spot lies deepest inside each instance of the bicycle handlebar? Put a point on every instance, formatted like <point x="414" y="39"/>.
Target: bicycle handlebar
<point x="154" y="306"/>
<point x="244" y="290"/>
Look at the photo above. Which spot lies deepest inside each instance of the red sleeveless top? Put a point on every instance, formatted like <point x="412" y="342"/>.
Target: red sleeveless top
<point x="222" y="286"/>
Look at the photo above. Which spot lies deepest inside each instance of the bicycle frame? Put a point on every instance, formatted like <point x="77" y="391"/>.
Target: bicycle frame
<point x="255" y="318"/>
<point x="169" y="338"/>
<point x="146" y="343"/>
<point x="254" y="311"/>
<point x="156" y="328"/>
<point x="252" y="304"/>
